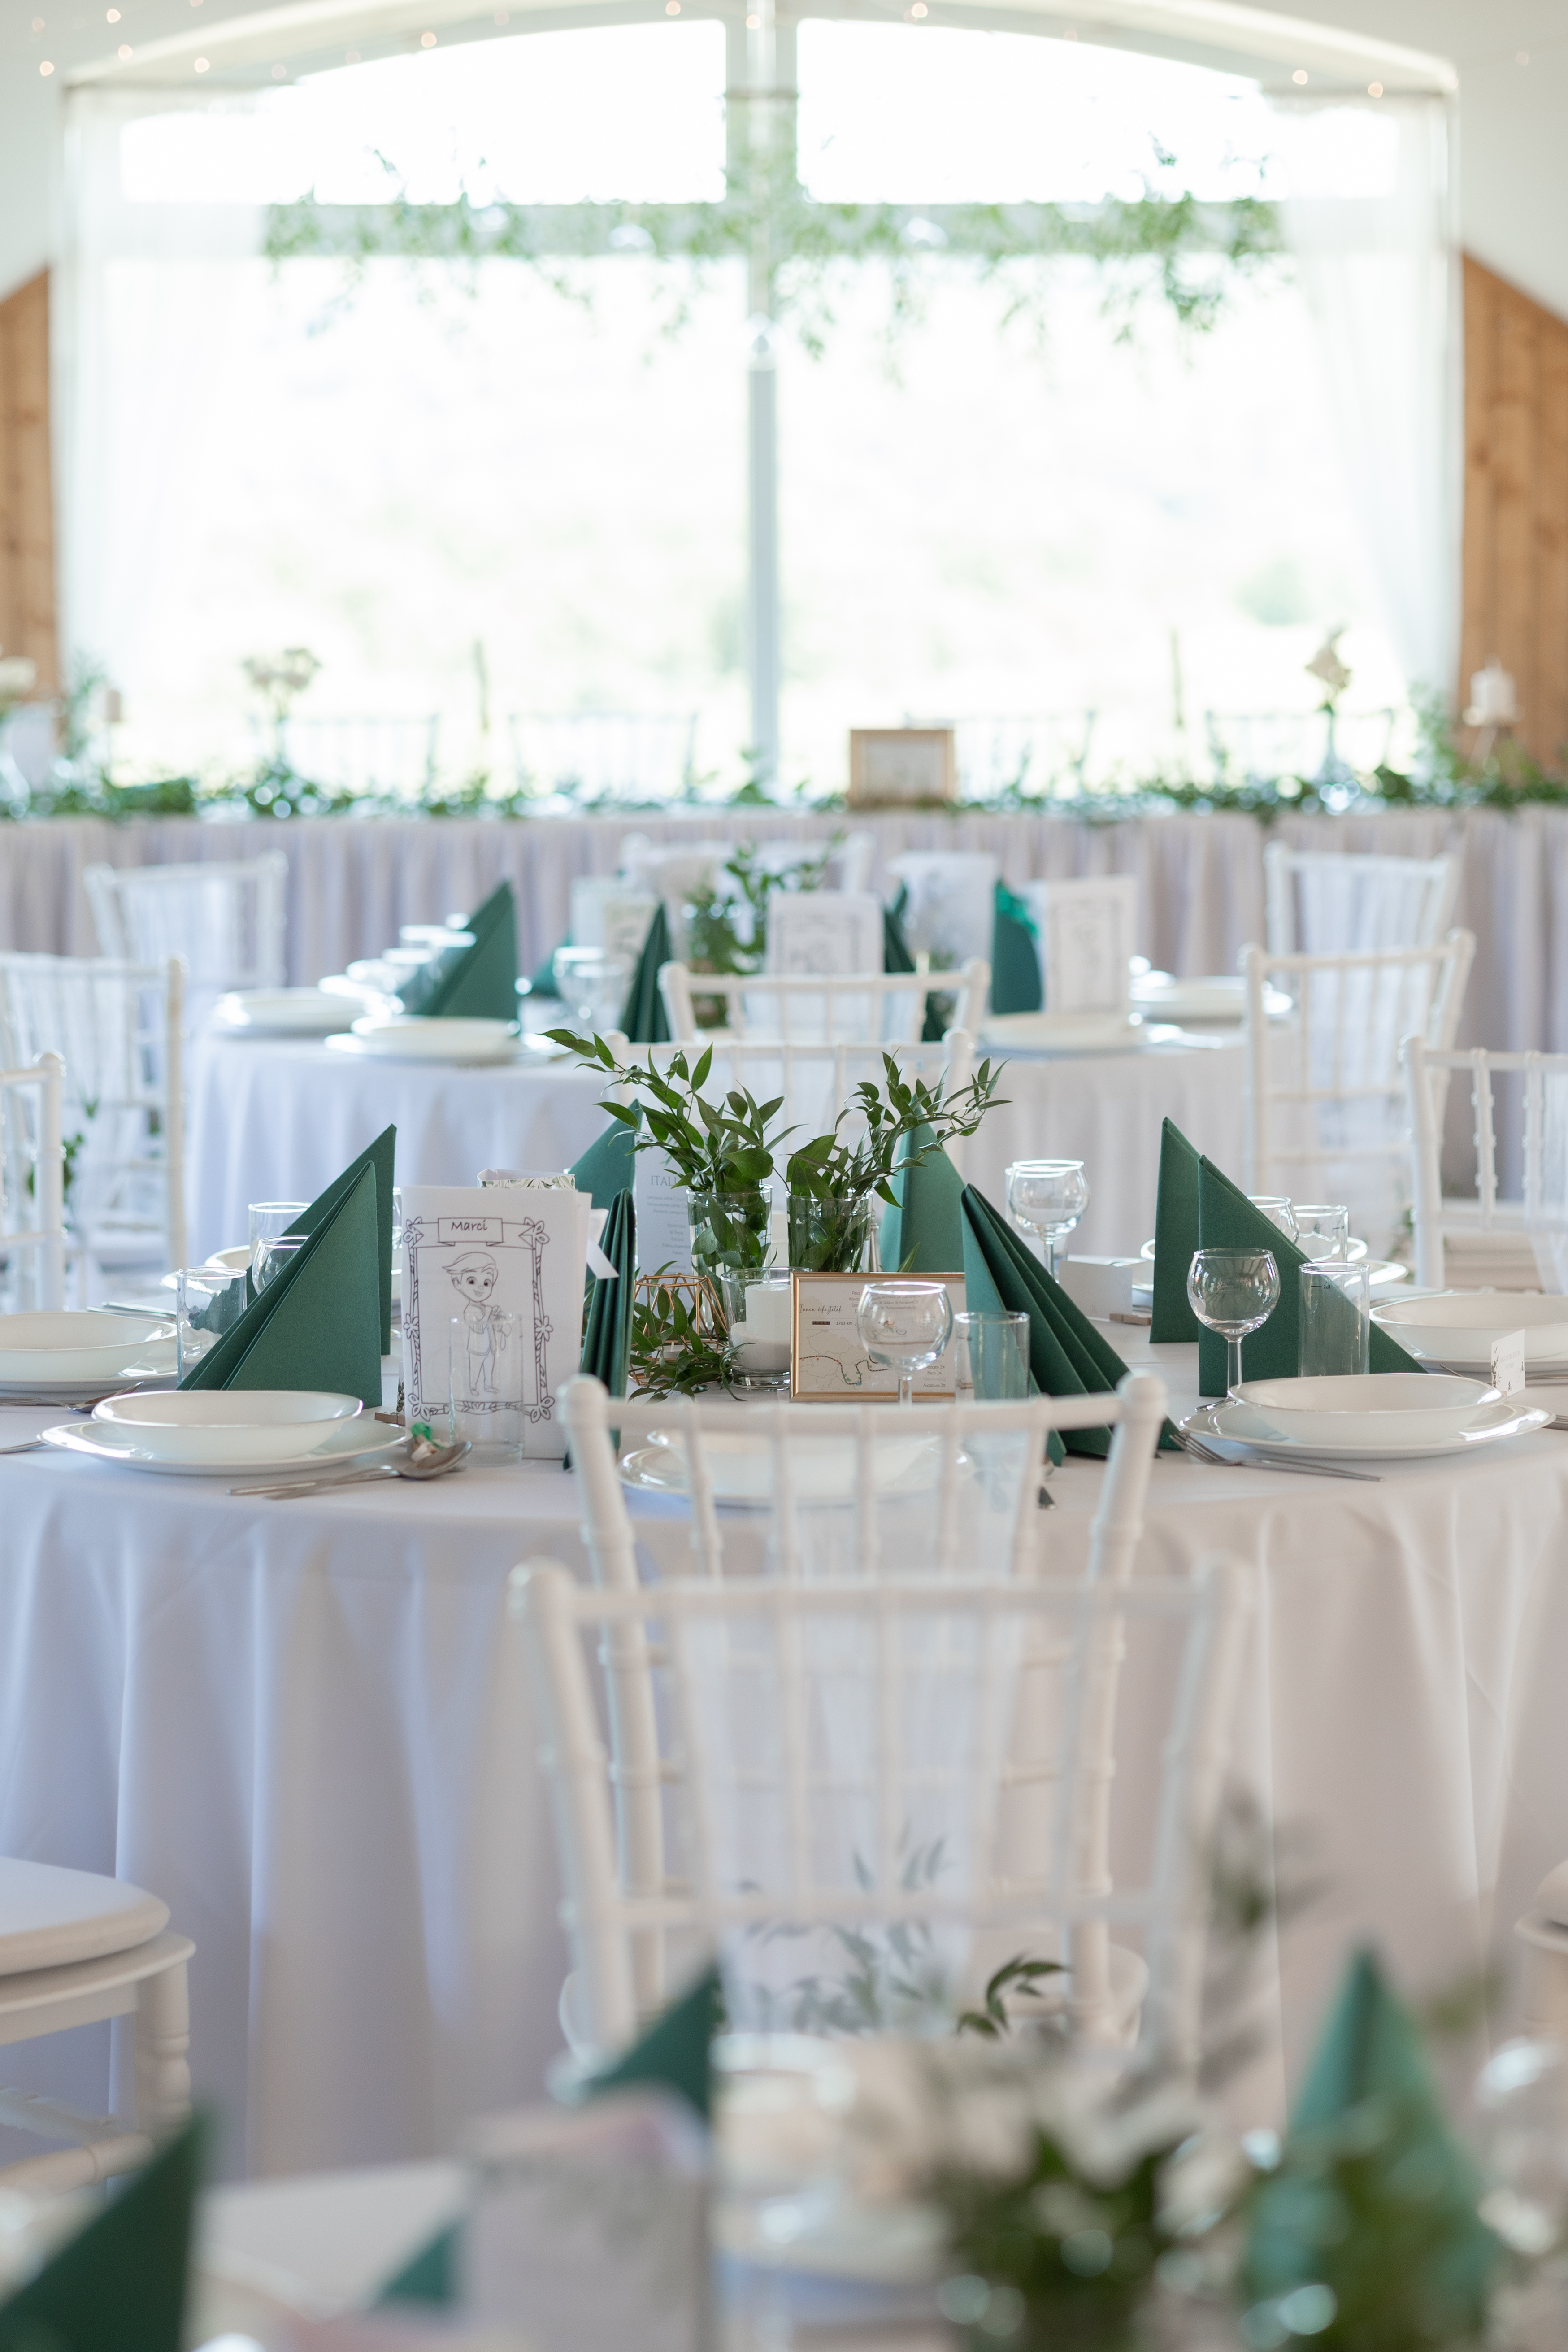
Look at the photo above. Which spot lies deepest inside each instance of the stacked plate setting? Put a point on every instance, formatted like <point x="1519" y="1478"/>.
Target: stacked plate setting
<point x="222" y="1433"/>
<point x="70" y="1357"/>
<point x="283" y="1012"/>
<point x="1377" y="1416"/>
<point x="409" y="1037"/>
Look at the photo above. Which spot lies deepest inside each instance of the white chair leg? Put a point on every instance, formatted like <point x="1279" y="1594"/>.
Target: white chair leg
<point x="163" y="2038"/>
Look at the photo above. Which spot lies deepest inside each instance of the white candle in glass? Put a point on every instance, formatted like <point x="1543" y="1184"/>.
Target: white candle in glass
<point x="761" y="1337"/>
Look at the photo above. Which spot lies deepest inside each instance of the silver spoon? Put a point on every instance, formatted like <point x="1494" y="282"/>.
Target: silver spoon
<point x="426" y="1461"/>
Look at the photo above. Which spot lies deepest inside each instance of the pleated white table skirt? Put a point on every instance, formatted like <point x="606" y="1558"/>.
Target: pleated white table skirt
<point x="307" y="1726"/>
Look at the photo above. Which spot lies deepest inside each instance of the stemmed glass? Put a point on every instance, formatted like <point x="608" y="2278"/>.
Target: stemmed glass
<point x="1049" y="1196"/>
<point x="906" y="1326"/>
<point x="1233" y="1291"/>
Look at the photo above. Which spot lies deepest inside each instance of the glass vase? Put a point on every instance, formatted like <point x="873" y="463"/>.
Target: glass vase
<point x="835" y="1236"/>
<point x="728" y="1230"/>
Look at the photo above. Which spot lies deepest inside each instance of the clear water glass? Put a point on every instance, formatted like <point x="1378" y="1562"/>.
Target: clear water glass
<point x="269" y="1259"/>
<point x="1049" y="1196"/>
<point x="991" y="1357"/>
<point x="904" y="1326"/>
<point x="209" y="1301"/>
<point x="593" y="982"/>
<point x="486" y="1397"/>
<point x="1335" y="1323"/>
<point x="1278" y="1210"/>
<point x="269" y="1219"/>
<point x="1233" y="1292"/>
<point x="1322" y="1229"/>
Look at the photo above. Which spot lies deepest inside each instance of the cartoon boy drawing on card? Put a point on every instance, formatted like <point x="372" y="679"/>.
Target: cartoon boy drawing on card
<point x="473" y="1277"/>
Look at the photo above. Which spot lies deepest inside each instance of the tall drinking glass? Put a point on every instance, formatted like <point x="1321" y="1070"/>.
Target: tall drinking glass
<point x="1278" y="1210"/>
<point x="1049" y="1196"/>
<point x="271" y="1219"/>
<point x="1233" y="1292"/>
<point x="991" y="1357"/>
<point x="270" y="1259"/>
<point x="1322" y="1229"/>
<point x="904" y="1325"/>
<point x="1335" y="1323"/>
<point x="210" y="1300"/>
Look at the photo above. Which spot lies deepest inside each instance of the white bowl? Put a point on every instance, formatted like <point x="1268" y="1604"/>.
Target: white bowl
<point x="281" y="1013"/>
<point x="1367" y="1408"/>
<point x="228" y="1425"/>
<point x="1461" y="1327"/>
<point x="78" y="1344"/>
<point x="410" y="1036"/>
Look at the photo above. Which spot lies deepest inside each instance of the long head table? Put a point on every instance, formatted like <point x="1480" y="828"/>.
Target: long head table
<point x="307" y="1726"/>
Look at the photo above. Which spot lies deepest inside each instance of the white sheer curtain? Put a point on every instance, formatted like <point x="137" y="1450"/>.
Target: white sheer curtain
<point x="1369" y="217"/>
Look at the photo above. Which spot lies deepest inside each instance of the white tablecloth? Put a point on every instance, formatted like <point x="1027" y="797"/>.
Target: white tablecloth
<point x="277" y="1122"/>
<point x="307" y="1726"/>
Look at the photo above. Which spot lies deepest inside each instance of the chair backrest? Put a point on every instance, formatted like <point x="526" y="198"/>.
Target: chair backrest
<point x="1036" y="755"/>
<point x="841" y="1761"/>
<point x="1319" y="902"/>
<point x="950" y="906"/>
<point x="854" y="1008"/>
<point x="32" y="1185"/>
<point x="1540" y="1106"/>
<point x="983" y="1462"/>
<point x="351" y="753"/>
<point x="1325" y="1109"/>
<point x="632" y="754"/>
<point x="119" y="1030"/>
<point x="224" y="920"/>
<point x="1312" y="744"/>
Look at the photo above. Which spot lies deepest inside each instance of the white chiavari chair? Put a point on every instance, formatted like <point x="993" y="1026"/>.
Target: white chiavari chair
<point x="1538" y="1214"/>
<point x="119" y="1030"/>
<point x="32" y="1186"/>
<point x="1325" y="1091"/>
<point x="76" y="1948"/>
<point x="1319" y="902"/>
<point x="987" y="1524"/>
<point x="354" y="753"/>
<point x="226" y="921"/>
<point x="843" y="1759"/>
<point x="851" y="1007"/>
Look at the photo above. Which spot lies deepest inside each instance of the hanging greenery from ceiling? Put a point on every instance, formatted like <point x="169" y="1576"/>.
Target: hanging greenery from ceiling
<point x="1179" y="252"/>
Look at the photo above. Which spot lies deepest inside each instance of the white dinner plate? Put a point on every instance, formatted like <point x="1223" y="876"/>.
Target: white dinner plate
<point x="352" y="1440"/>
<point x="1383" y="1273"/>
<point x="1207" y="996"/>
<point x="1373" y="1410"/>
<point x="81" y="1346"/>
<point x="207" y="1425"/>
<point x="741" y="1467"/>
<point x="411" y="1038"/>
<point x="1238" y="1425"/>
<point x="1458" y="1328"/>
<point x="1066" y="1033"/>
<point x="281" y="1013"/>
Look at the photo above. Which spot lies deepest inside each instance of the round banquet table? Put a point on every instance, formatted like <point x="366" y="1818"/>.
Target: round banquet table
<point x="274" y="1120"/>
<point x="307" y="1726"/>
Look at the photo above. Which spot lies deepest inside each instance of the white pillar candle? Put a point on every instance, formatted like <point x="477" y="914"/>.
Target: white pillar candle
<point x="761" y="1337"/>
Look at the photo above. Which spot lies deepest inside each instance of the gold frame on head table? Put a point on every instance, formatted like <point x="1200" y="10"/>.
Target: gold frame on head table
<point x="902" y="767"/>
<point x="835" y="1342"/>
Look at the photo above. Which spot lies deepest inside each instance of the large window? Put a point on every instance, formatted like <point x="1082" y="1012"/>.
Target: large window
<point x="980" y="516"/>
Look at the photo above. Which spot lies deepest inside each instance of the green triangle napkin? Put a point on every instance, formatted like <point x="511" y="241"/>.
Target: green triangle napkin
<point x="1068" y="1356"/>
<point x="675" y="2049"/>
<point x="1374" y="2198"/>
<point x="644" y="1018"/>
<point x="1227" y="1220"/>
<point x="476" y="983"/>
<point x="382" y="1156"/>
<point x="608" y="1329"/>
<point x="1175" y="1238"/>
<point x="897" y="956"/>
<point x="119" y="2285"/>
<point x="317" y="1325"/>
<point x="1015" y="983"/>
<point x="607" y="1167"/>
<point x="923" y="1233"/>
<point x="431" y="2276"/>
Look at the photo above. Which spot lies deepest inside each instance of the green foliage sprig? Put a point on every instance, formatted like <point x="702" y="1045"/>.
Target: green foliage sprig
<point x="723" y="1147"/>
<point x="727" y="921"/>
<point x="672" y="1352"/>
<point x="834" y="1167"/>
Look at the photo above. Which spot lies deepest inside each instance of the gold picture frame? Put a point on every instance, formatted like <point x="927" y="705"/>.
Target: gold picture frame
<point x="827" y="1302"/>
<point x="902" y="767"/>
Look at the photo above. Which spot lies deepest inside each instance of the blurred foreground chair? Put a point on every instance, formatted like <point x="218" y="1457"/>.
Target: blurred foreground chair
<point x="76" y="1948"/>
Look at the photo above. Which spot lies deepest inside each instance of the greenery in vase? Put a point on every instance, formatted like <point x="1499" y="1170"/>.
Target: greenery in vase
<point x="727" y="920"/>
<point x="673" y="1350"/>
<point x="843" y="1174"/>
<point x="725" y="1147"/>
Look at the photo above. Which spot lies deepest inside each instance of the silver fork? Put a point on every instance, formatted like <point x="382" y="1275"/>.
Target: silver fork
<point x="1202" y="1452"/>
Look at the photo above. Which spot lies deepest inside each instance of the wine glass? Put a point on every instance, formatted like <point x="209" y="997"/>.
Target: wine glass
<point x="1278" y="1210"/>
<point x="1233" y="1291"/>
<point x="593" y="981"/>
<point x="1050" y="1196"/>
<point x="906" y="1326"/>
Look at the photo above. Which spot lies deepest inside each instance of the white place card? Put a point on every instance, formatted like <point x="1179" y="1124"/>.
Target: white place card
<point x="608" y="913"/>
<point x="1508" y="1364"/>
<point x="823" y="931"/>
<point x="830" y="1364"/>
<point x="664" y="1232"/>
<point x="1088" y="937"/>
<point x="483" y="1256"/>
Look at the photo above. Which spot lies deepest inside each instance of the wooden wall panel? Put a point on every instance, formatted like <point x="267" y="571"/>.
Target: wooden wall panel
<point x="26" y="487"/>
<point x="1515" y="604"/>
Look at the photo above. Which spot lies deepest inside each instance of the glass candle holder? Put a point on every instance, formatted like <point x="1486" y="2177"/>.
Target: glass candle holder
<point x="759" y="1307"/>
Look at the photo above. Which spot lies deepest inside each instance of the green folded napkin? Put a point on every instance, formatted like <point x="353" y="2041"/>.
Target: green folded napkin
<point x="607" y="1327"/>
<point x="1175" y="1238"/>
<point x="119" y="2285"/>
<point x="1016" y="985"/>
<point x="923" y="1233"/>
<point x="476" y="983"/>
<point x="675" y="2049"/>
<point x="317" y="1325"/>
<point x="1068" y="1356"/>
<point x="899" y="956"/>
<point x="644" y="1018"/>
<point x="607" y="1167"/>
<point x="382" y="1156"/>
<point x="1374" y="2198"/>
<point x="1227" y="1220"/>
<point x="431" y="2274"/>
